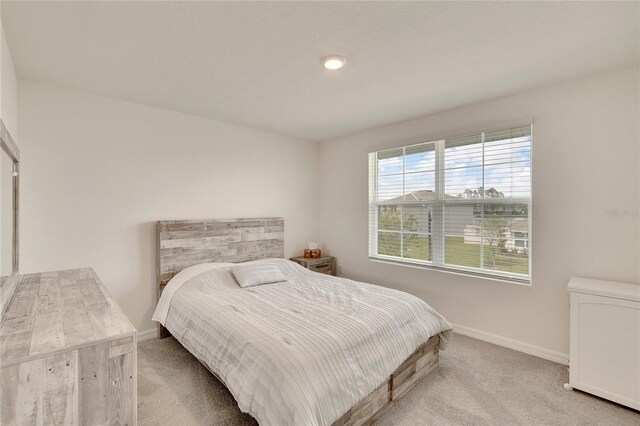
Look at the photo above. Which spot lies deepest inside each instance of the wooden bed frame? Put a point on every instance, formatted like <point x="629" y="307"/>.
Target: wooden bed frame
<point x="184" y="243"/>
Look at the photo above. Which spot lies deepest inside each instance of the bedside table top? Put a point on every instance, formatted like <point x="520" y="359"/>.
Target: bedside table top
<point x="310" y="259"/>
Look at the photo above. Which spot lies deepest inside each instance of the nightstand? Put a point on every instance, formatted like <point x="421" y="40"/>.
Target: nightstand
<point x="323" y="265"/>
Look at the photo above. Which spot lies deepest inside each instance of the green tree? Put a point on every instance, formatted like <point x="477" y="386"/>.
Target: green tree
<point x="492" y="220"/>
<point x="389" y="218"/>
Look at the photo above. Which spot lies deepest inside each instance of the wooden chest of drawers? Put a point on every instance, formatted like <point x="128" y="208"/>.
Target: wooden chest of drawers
<point x="323" y="265"/>
<point x="68" y="353"/>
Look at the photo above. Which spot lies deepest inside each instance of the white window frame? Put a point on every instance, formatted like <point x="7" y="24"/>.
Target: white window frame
<point x="437" y="210"/>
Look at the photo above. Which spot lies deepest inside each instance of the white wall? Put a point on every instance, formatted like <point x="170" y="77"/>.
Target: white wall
<point x="8" y="88"/>
<point x="97" y="172"/>
<point x="585" y="161"/>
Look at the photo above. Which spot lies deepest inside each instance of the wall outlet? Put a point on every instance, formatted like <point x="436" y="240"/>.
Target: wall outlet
<point x="340" y="268"/>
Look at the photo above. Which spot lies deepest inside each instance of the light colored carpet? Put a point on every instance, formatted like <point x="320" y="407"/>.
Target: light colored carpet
<point x="477" y="383"/>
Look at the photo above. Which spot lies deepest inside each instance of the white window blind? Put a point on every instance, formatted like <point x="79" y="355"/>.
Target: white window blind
<point x="461" y="204"/>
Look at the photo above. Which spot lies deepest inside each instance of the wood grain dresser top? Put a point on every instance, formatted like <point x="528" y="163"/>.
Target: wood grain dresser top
<point x="59" y="311"/>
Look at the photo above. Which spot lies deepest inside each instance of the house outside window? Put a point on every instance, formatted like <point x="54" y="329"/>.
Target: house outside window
<point x="461" y="204"/>
<point x="520" y="240"/>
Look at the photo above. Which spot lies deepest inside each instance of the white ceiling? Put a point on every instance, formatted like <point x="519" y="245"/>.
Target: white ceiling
<point x="258" y="64"/>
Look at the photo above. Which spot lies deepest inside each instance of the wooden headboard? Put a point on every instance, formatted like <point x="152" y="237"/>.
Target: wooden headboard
<point x="184" y="243"/>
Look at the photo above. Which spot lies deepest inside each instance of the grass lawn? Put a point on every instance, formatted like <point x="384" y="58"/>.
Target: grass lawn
<point x="456" y="252"/>
<point x="416" y="247"/>
<point x="459" y="253"/>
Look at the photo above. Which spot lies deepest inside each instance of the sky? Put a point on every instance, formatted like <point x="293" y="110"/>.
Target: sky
<point x="507" y="168"/>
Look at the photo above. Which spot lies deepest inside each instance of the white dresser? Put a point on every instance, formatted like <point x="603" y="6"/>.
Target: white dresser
<point x="605" y="339"/>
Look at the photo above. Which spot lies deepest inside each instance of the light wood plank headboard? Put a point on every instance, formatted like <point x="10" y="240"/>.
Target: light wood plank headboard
<point x="184" y="243"/>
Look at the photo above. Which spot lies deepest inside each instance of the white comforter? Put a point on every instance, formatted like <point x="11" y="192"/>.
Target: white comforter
<point x="300" y="352"/>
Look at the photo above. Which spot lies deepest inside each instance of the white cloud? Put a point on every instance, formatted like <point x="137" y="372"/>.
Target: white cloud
<point x="390" y="165"/>
<point x="472" y="183"/>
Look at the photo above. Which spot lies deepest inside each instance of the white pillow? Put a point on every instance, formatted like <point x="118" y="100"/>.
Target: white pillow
<point x="257" y="274"/>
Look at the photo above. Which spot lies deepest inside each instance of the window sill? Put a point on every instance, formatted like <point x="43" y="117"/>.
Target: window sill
<point x="504" y="279"/>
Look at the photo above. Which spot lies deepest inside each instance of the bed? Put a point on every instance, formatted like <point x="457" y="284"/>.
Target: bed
<point x="313" y="349"/>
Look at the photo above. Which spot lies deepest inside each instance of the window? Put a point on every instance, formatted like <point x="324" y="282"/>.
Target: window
<point x="460" y="204"/>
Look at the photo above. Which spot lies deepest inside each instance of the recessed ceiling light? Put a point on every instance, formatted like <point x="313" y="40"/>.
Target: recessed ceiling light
<point x="334" y="62"/>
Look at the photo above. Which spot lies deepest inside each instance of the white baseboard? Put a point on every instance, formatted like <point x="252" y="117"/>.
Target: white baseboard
<point x="512" y="344"/>
<point x="147" y="334"/>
